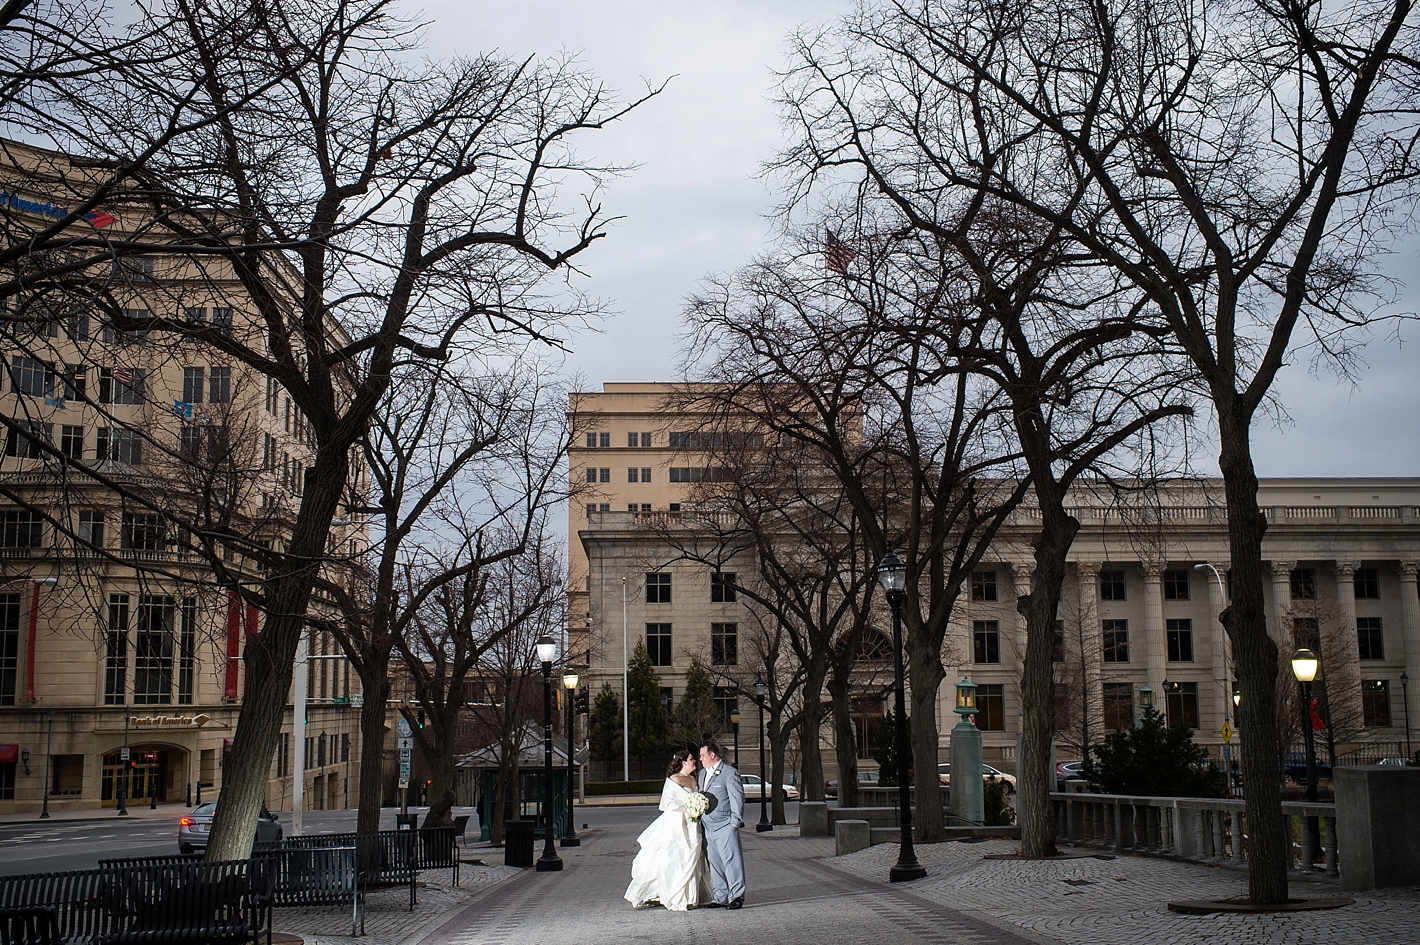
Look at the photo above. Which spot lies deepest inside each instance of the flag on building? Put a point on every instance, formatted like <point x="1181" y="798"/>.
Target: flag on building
<point x="837" y="254"/>
<point x="183" y="409"/>
<point x="1318" y="725"/>
<point x="122" y="374"/>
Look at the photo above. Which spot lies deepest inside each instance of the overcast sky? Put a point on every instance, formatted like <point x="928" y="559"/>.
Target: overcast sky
<point x="695" y="205"/>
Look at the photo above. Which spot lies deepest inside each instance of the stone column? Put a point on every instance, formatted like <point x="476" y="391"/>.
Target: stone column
<point x="1155" y="652"/>
<point x="1223" y="671"/>
<point x="1278" y="627"/>
<point x="1091" y="642"/>
<point x="1410" y="627"/>
<point x="1341" y="648"/>
<point x="1013" y="621"/>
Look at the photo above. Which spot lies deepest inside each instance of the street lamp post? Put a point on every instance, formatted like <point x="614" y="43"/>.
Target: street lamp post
<point x="123" y="765"/>
<point x="735" y="728"/>
<point x="760" y="689"/>
<point x="569" y="684"/>
<point x="549" y="862"/>
<point x="1304" y="667"/>
<point x="1405" y="696"/>
<point x="892" y="574"/>
<point x="48" y="755"/>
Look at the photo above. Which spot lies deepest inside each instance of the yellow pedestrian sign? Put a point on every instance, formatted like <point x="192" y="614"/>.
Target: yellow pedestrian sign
<point x="1227" y="732"/>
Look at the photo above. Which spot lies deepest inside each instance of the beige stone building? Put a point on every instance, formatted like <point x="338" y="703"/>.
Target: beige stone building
<point x="1140" y="608"/>
<point x="114" y="630"/>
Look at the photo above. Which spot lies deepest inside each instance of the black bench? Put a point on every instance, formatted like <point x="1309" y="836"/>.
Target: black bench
<point x="315" y="876"/>
<point x="177" y="900"/>
<point x="29" y="927"/>
<point x="388" y="858"/>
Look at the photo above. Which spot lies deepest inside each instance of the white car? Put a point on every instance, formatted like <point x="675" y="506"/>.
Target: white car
<point x="754" y="788"/>
<point x="1008" y="781"/>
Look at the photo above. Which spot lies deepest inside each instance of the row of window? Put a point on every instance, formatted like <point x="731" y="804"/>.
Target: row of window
<point x="1176" y="584"/>
<point x="724" y="644"/>
<point x="633" y="441"/>
<point x="118" y="385"/>
<point x="1181" y="704"/>
<point x="321" y="750"/>
<point x="138" y="531"/>
<point x="722" y="587"/>
<point x="76" y="324"/>
<point x="160" y="656"/>
<point x="986" y="639"/>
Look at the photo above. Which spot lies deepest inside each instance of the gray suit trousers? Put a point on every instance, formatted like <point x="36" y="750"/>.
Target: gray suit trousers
<point x="727" y="864"/>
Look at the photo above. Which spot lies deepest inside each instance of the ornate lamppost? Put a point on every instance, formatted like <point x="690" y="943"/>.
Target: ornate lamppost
<point x="760" y="689"/>
<point x="549" y="862"/>
<point x="1304" y="667"/>
<point x="569" y="685"/>
<point x="892" y="574"/>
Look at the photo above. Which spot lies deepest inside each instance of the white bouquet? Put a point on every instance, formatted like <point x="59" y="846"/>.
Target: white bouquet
<point x="696" y="804"/>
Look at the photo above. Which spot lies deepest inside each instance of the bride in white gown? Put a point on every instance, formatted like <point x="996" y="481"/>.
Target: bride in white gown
<point x="671" y="867"/>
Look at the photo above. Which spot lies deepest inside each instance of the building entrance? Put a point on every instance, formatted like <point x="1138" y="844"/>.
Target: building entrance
<point x="147" y="769"/>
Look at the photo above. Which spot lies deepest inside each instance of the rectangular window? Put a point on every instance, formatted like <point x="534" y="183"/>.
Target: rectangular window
<point x="141" y="531"/>
<point x="1118" y="706"/>
<point x="604" y="507"/>
<point x="722" y="587"/>
<point x="71" y="441"/>
<point x="591" y="507"/>
<point x="1368" y="635"/>
<point x="632" y="440"/>
<point x="1116" y="641"/>
<point x="91" y="529"/>
<point x="1181" y="703"/>
<point x="153" y="651"/>
<point x="728" y="703"/>
<point x="591" y="441"/>
<point x="658" y="643"/>
<point x="283" y="754"/>
<point x="7" y="781"/>
<point x="345" y="739"/>
<point x="645" y="441"/>
<point x="31" y="377"/>
<point x="1367" y="583"/>
<point x="195" y="315"/>
<point x="194" y="384"/>
<point x="1112" y="585"/>
<point x="222" y="319"/>
<point x="1375" y="703"/>
<point x="76" y="381"/>
<point x="632" y="507"/>
<point x="115" y="445"/>
<point x="986" y="641"/>
<point x="724" y="644"/>
<point x="9" y="647"/>
<point x="1176" y="585"/>
<point x="116" y="658"/>
<point x="700" y="474"/>
<point x="67" y="775"/>
<point x="20" y="528"/>
<point x="271" y="397"/>
<point x="658" y="588"/>
<point x="633" y="474"/>
<point x="137" y="336"/>
<point x="219" y="387"/>
<point x="1180" y="638"/>
<point x="1303" y="584"/>
<point x="190" y="443"/>
<point x="187" y="650"/>
<point x="1057" y="643"/>
<point x="983" y="585"/>
<point x="645" y="473"/>
<point x="604" y="474"/>
<point x="604" y="441"/>
<point x="26" y="442"/>
<point x="591" y="474"/>
<point x="1306" y="633"/>
<point x="991" y="708"/>
<point x="77" y="326"/>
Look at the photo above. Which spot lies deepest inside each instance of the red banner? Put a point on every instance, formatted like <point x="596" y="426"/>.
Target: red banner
<point x="234" y="641"/>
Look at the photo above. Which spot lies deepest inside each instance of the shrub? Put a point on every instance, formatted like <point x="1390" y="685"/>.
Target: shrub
<point x="993" y="802"/>
<point x="1154" y="760"/>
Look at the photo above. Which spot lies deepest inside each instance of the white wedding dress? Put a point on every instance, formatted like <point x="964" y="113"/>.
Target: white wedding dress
<point x="671" y="867"/>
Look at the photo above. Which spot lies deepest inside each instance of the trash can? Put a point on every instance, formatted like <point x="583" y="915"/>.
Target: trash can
<point x="518" y="843"/>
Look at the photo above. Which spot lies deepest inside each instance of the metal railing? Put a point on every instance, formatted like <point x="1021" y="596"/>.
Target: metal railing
<point x="1201" y="829"/>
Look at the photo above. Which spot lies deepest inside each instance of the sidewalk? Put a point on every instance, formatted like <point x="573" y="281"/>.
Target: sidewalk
<point x="135" y="812"/>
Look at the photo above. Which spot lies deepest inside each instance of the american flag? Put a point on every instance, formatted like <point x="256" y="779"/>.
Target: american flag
<point x="837" y="254"/>
<point x="122" y="374"/>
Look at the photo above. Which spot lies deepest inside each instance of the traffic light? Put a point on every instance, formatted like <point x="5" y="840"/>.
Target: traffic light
<point x="557" y="700"/>
<point x="421" y="718"/>
<point x="584" y="700"/>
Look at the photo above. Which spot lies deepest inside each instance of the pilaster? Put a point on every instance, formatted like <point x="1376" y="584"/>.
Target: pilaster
<point x="1410" y="627"/>
<point x="1278" y="627"/>
<point x="1092" y="647"/>
<point x="1342" y="650"/>
<point x="1155" y="651"/>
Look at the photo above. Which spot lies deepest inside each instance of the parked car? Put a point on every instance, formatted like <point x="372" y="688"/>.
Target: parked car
<point x="194" y="827"/>
<point x="865" y="779"/>
<point x="944" y="775"/>
<point x="754" y="788"/>
<point x="1294" y="766"/>
<point x="1068" y="771"/>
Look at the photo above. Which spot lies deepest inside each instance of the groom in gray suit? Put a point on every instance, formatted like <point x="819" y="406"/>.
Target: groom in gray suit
<point x="722" y="838"/>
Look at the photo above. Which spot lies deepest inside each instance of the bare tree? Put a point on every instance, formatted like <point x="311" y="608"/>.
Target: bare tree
<point x="369" y="210"/>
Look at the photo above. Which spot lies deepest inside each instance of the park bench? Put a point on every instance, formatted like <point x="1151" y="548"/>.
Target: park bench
<point x="384" y="859"/>
<point x="175" y="900"/>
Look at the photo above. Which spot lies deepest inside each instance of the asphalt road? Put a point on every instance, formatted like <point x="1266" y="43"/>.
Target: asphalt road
<point x="42" y="847"/>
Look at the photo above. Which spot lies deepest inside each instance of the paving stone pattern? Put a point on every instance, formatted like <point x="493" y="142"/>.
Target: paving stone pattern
<point x="1124" y="901"/>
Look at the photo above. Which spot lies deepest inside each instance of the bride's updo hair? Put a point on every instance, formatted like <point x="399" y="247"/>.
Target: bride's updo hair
<point x="677" y="761"/>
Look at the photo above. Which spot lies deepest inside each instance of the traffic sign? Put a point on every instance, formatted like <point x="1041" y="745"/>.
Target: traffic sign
<point x="123" y="754"/>
<point x="403" y="783"/>
<point x="405" y="744"/>
<point x="1227" y="732"/>
<point x="403" y="728"/>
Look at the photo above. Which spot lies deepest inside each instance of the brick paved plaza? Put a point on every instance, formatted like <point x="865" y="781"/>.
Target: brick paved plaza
<point x="800" y="893"/>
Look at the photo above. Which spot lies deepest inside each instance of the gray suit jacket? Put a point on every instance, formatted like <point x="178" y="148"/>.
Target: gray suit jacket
<point x="723" y="781"/>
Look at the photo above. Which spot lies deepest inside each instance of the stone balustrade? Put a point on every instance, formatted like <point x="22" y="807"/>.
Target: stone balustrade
<point x="1205" y="830"/>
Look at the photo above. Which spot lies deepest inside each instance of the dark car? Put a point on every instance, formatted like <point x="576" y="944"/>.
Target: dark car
<point x="865" y="779"/>
<point x="1068" y="771"/>
<point x="194" y="828"/>
<point x="1294" y="766"/>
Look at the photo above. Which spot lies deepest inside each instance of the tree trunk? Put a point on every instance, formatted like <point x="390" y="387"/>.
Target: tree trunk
<point x="504" y="791"/>
<point x="372" y="752"/>
<point x="440" y="796"/>
<point x="845" y="742"/>
<point x="810" y="742"/>
<point x="1255" y="656"/>
<point x="1034" y="778"/>
<point x="778" y="750"/>
<point x="926" y="674"/>
<point x="270" y="657"/>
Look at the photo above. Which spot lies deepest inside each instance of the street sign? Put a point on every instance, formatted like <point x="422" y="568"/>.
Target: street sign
<point x="405" y="744"/>
<point x="1227" y="752"/>
<point x="403" y="728"/>
<point x="403" y="784"/>
<point x="123" y="754"/>
<point x="1227" y="732"/>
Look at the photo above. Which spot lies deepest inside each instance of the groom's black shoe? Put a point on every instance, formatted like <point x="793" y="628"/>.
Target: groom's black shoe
<point x="736" y="903"/>
<point x="713" y="905"/>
